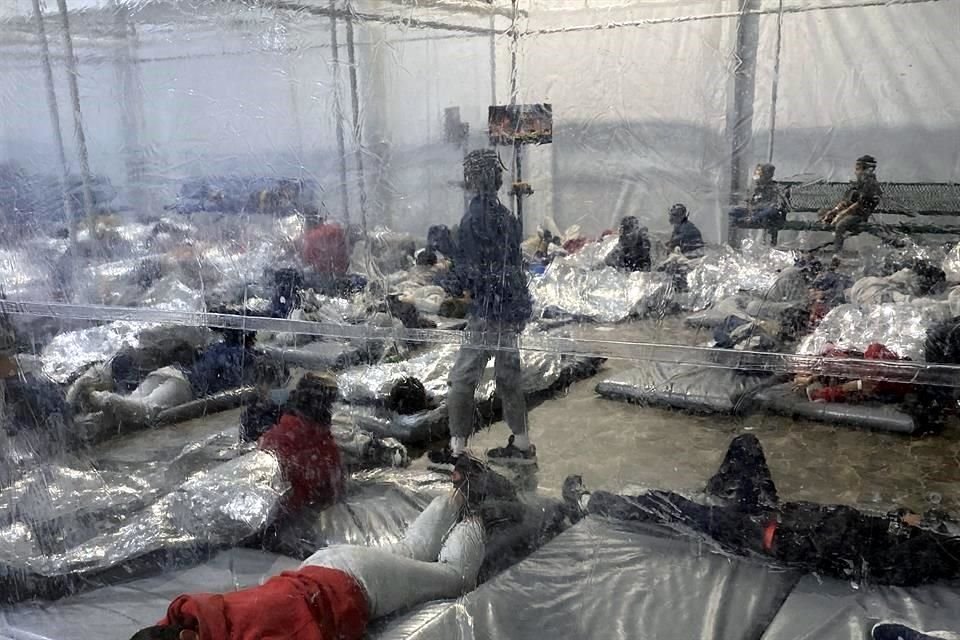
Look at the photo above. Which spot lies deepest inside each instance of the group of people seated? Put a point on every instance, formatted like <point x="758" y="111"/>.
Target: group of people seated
<point x="767" y="208"/>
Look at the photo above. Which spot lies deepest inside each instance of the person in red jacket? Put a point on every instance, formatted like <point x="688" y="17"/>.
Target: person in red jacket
<point x="304" y="444"/>
<point x="326" y="248"/>
<point x="339" y="589"/>
<point x="823" y="389"/>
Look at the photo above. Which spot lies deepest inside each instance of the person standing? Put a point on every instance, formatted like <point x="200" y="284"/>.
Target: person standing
<point x="491" y="273"/>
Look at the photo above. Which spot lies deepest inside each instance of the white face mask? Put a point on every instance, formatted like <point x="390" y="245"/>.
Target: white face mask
<point x="279" y="396"/>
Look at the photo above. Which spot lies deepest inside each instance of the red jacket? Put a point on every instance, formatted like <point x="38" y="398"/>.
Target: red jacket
<point x="875" y="351"/>
<point x="325" y="249"/>
<point x="314" y="603"/>
<point x="309" y="458"/>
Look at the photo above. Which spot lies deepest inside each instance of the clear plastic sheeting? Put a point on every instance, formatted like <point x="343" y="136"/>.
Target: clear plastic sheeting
<point x="228" y="227"/>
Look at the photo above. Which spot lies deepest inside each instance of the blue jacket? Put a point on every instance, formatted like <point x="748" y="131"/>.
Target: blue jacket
<point x="219" y="368"/>
<point x="687" y="237"/>
<point x="35" y="404"/>
<point x="489" y="263"/>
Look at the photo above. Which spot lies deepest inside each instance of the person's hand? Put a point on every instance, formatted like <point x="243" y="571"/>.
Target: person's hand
<point x="912" y="519"/>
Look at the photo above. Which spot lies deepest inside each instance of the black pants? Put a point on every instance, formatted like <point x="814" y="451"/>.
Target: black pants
<point x="833" y="540"/>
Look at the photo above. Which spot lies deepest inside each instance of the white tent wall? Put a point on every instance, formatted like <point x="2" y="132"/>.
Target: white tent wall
<point x="642" y="95"/>
<point x="857" y="80"/>
<point x="639" y="110"/>
<point x="408" y="79"/>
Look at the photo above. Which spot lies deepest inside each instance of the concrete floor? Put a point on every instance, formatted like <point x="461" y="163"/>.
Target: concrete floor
<point x="615" y="445"/>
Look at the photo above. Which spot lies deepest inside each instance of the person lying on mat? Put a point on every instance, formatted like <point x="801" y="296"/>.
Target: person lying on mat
<point x="830" y="389"/>
<point x="338" y="590"/>
<point x="225" y="365"/>
<point x="900" y="548"/>
<point x="632" y="252"/>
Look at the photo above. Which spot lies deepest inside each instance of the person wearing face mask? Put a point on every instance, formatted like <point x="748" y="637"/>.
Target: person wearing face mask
<point x="859" y="201"/>
<point x="632" y="252"/>
<point x="686" y="236"/>
<point x="765" y="205"/>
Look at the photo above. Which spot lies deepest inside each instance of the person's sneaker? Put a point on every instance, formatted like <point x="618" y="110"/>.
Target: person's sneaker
<point x="895" y="631"/>
<point x="573" y="493"/>
<point x="478" y="482"/>
<point x="442" y="456"/>
<point x="511" y="454"/>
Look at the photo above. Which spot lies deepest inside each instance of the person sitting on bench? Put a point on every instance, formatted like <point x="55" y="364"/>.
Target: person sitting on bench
<point x="765" y="206"/>
<point x="686" y="236"/>
<point x="900" y="548"/>
<point x="338" y="590"/>
<point x="859" y="201"/>
<point x="632" y="252"/>
<point x="225" y="365"/>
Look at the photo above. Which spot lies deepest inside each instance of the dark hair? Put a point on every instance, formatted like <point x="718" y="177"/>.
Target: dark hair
<point x="440" y="238"/>
<point x="313" y="398"/>
<point x="159" y="632"/>
<point x="239" y="337"/>
<point x="767" y="170"/>
<point x="678" y="211"/>
<point x="426" y="258"/>
<point x="408" y="396"/>
<point x="629" y="224"/>
<point x="482" y="171"/>
<point x="867" y="161"/>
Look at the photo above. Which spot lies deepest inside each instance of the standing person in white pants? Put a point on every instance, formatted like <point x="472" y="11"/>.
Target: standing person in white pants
<point x="491" y="273"/>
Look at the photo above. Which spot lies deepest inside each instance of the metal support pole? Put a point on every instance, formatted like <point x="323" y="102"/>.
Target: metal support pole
<point x="776" y="83"/>
<point x="338" y="111"/>
<point x="54" y="111"/>
<point x="740" y="119"/>
<point x="514" y="89"/>
<point x="357" y="127"/>
<point x="77" y="118"/>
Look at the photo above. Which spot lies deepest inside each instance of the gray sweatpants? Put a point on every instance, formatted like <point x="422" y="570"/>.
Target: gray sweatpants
<point x="162" y="389"/>
<point x="846" y="225"/>
<point x="436" y="559"/>
<point x="486" y="338"/>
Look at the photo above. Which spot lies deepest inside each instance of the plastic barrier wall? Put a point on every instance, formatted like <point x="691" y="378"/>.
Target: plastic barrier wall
<point x="678" y="279"/>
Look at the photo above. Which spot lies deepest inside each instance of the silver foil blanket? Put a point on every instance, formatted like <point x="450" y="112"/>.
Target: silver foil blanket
<point x="221" y="506"/>
<point x="902" y="327"/>
<point x="580" y="285"/>
<point x="371" y="383"/>
<point x="605" y="295"/>
<point x="70" y="353"/>
<point x="723" y="272"/>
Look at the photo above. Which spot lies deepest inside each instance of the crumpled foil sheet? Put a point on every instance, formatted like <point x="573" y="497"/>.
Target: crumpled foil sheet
<point x="371" y="383"/>
<point x="902" y="327"/>
<point x="604" y="295"/>
<point x="724" y="272"/>
<point x="68" y="354"/>
<point x="951" y="264"/>
<point x="217" y="507"/>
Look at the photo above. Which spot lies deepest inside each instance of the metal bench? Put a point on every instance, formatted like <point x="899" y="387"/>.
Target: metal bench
<point x="904" y="199"/>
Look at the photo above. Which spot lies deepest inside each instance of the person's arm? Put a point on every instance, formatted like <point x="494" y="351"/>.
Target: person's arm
<point x="465" y="267"/>
<point x="613" y="259"/>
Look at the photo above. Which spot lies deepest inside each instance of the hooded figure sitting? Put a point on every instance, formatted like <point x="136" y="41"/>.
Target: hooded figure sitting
<point x="632" y="252"/>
